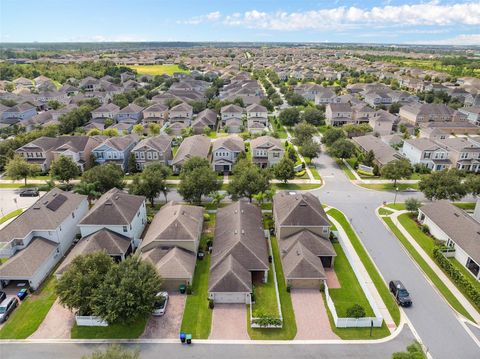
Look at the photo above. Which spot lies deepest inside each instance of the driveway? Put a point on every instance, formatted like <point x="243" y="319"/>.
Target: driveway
<point x="8" y="197"/>
<point x="57" y="324"/>
<point x="229" y="322"/>
<point x="168" y="325"/>
<point x="311" y="315"/>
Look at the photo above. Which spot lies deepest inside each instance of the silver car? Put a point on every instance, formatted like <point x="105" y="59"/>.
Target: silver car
<point x="160" y="304"/>
<point x="7" y="307"/>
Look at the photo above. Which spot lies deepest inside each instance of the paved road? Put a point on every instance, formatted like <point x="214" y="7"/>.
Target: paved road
<point x="434" y="320"/>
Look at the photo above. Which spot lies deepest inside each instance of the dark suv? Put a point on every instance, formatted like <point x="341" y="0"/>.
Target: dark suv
<point x="400" y="293"/>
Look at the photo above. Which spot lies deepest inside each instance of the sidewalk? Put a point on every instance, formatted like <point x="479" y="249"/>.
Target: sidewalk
<point x="444" y="278"/>
<point x="360" y="180"/>
<point x="307" y="169"/>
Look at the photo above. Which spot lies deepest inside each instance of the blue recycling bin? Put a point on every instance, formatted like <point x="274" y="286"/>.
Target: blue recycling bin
<point x="183" y="337"/>
<point x="22" y="294"/>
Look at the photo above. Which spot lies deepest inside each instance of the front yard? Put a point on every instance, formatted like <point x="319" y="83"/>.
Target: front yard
<point x="114" y="331"/>
<point x="390" y="187"/>
<point x="265" y="298"/>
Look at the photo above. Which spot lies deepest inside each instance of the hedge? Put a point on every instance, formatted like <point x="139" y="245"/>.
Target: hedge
<point x="457" y="276"/>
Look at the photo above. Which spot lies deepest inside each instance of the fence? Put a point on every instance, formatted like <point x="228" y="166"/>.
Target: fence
<point x="90" y="321"/>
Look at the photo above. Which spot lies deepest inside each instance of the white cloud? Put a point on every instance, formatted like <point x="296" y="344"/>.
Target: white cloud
<point x="462" y="40"/>
<point x="212" y="16"/>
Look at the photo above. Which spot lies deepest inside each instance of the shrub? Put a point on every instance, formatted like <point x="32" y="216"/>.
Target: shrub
<point x="412" y="204"/>
<point x="300" y="173"/>
<point x="189" y="289"/>
<point x="211" y="304"/>
<point x="322" y="287"/>
<point x="356" y="311"/>
<point x="289" y="288"/>
<point x="265" y="321"/>
<point x="206" y="217"/>
<point x="425" y="229"/>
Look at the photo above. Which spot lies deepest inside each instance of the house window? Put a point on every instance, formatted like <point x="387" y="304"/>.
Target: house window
<point x="427" y="155"/>
<point x="73" y="214"/>
<point x="464" y="155"/>
<point x="472" y="266"/>
<point x="125" y="228"/>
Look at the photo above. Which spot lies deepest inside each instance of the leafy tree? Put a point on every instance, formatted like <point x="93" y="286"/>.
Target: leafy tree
<point x="412" y="204"/>
<point x="132" y="163"/>
<point x="105" y="176"/>
<point x="110" y="132"/>
<point x="310" y="149"/>
<point x="127" y="292"/>
<point x="443" y="185"/>
<point x="151" y="182"/>
<point x="303" y="132"/>
<point x="289" y="116"/>
<point x="414" y="351"/>
<point x="248" y="179"/>
<point x="114" y="351"/>
<point x="216" y="197"/>
<point x="342" y="148"/>
<point x="291" y="153"/>
<point x="54" y="104"/>
<point x="331" y="135"/>
<point x="77" y="286"/>
<point x="395" y="170"/>
<point x="313" y="116"/>
<point x="18" y="168"/>
<point x="267" y="104"/>
<point x="89" y="190"/>
<point x="197" y="179"/>
<point x="198" y="106"/>
<point x="284" y="170"/>
<point x="356" y="130"/>
<point x="294" y="99"/>
<point x="472" y="184"/>
<point x="64" y="169"/>
<point x="395" y="107"/>
<point x="94" y="132"/>
<point x="356" y="311"/>
<point x="154" y="128"/>
<point x="138" y="129"/>
<point x="369" y="158"/>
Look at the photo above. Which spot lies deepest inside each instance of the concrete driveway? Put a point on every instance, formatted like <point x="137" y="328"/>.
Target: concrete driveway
<point x="168" y="325"/>
<point x="311" y="315"/>
<point x="229" y="322"/>
<point x="8" y="196"/>
<point x="57" y="324"/>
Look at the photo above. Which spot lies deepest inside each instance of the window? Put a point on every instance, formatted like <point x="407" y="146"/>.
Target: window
<point x="472" y="266"/>
<point x="464" y="155"/>
<point x="73" y="214"/>
<point x="427" y="155"/>
<point x="125" y="228"/>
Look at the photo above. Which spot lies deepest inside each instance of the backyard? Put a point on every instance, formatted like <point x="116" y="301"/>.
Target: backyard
<point x="265" y="298"/>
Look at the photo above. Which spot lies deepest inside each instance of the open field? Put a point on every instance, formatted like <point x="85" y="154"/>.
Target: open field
<point x="156" y="70"/>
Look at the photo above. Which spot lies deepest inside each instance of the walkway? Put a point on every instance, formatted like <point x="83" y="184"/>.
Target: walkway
<point x="229" y="322"/>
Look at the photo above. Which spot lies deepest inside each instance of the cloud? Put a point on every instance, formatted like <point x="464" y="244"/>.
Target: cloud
<point x="461" y="40"/>
<point x="210" y="17"/>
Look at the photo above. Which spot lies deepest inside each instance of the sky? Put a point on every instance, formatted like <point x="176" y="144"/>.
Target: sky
<point x="389" y="21"/>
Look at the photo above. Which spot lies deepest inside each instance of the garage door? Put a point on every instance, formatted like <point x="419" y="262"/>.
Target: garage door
<point x="230" y="297"/>
<point x="305" y="283"/>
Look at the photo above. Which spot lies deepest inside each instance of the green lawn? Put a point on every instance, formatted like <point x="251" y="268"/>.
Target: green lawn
<point x="113" y="331"/>
<point x="26" y="319"/>
<point x="369" y="265"/>
<point x="384" y="212"/>
<point x="17" y="185"/>
<point x="266" y="298"/>
<point x="389" y="186"/>
<point x="11" y="215"/>
<point x="289" y="329"/>
<point x="155" y="70"/>
<point x="398" y="206"/>
<point x="197" y="316"/>
<point x="447" y="294"/>
<point x="466" y="206"/>
<point x="345" y="169"/>
<point x="315" y="173"/>
<point x="295" y="186"/>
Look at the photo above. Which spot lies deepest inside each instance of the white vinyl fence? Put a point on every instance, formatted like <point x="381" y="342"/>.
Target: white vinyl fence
<point x="90" y="321"/>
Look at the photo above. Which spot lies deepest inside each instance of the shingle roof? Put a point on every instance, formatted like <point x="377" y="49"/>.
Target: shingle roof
<point x="300" y="263"/>
<point x="383" y="152"/>
<point x="233" y="143"/>
<point x="171" y="263"/>
<point x="313" y="242"/>
<point x="256" y="108"/>
<point x="160" y="143"/>
<point x="231" y="109"/>
<point x="304" y="209"/>
<point x="193" y="146"/>
<point x="229" y="276"/>
<point x="266" y="140"/>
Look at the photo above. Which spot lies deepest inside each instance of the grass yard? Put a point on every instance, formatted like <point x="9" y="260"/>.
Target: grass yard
<point x="345" y="169"/>
<point x="266" y="298"/>
<point x="447" y="294"/>
<point x="398" y="206"/>
<point x="155" y="70"/>
<point x="315" y="173"/>
<point x="289" y="329"/>
<point x="466" y="206"/>
<point x="384" y="212"/>
<point x="26" y="319"/>
<point x="369" y="265"/>
<point x="17" y="185"/>
<point x="389" y="186"/>
<point x="295" y="186"/>
<point x="197" y="316"/>
<point x="113" y="331"/>
<point x="11" y="215"/>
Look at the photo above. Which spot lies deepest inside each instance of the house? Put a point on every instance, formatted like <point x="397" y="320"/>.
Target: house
<point x="325" y="96"/>
<point x="36" y="240"/>
<point x="257" y="118"/>
<point x="225" y="151"/>
<point x="153" y="150"/>
<point x="171" y="243"/>
<point x="193" y="146"/>
<point x="417" y="113"/>
<point x="303" y="231"/>
<point x="205" y="119"/>
<point x="103" y="112"/>
<point x="230" y="111"/>
<point x="23" y="82"/>
<point x="338" y="114"/>
<point x="156" y="113"/>
<point x="19" y="112"/>
<point x="119" y="212"/>
<point x="131" y="114"/>
<point x="240" y="253"/>
<point x="182" y="112"/>
<point x="472" y="113"/>
<point x="233" y="125"/>
<point x="426" y="152"/>
<point x="463" y="153"/>
<point x="377" y="98"/>
<point x="115" y="150"/>
<point x="310" y="91"/>
<point x="383" y="152"/>
<point x="267" y="151"/>
<point x="382" y="122"/>
<point x="457" y="230"/>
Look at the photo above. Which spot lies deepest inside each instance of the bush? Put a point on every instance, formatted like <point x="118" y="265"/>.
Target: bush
<point x="189" y="289"/>
<point x="206" y="217"/>
<point x="412" y="204"/>
<point x="322" y="287"/>
<point x="356" y="311"/>
<point x="289" y="288"/>
<point x="211" y="304"/>
<point x="265" y="321"/>
<point x="425" y="229"/>
<point x="300" y="173"/>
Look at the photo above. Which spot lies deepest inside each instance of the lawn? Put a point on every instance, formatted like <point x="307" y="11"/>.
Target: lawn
<point x="398" y="206"/>
<point x="389" y="186"/>
<point x="466" y="206"/>
<point x="17" y="185"/>
<point x="345" y="169"/>
<point x="447" y="294"/>
<point x="289" y="329"/>
<point x="266" y="298"/>
<point x="10" y="215"/>
<point x="113" y="331"/>
<point x="197" y="316"/>
<point x="369" y="265"/>
<point x="295" y="186"/>
<point x="384" y="212"/>
<point x="315" y="173"/>
<point x="26" y="319"/>
<point x="155" y="70"/>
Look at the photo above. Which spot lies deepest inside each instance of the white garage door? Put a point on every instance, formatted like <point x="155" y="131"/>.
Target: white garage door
<point x="230" y="298"/>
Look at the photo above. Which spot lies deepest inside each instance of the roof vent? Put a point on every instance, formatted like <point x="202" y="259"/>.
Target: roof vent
<point x="243" y="231"/>
<point x="456" y="215"/>
<point x="108" y="203"/>
<point x="235" y="232"/>
<point x="117" y="198"/>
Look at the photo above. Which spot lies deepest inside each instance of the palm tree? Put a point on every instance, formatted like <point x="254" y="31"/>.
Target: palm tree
<point x="217" y="197"/>
<point x="89" y="190"/>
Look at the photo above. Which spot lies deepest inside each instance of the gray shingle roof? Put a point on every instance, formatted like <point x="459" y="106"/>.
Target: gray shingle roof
<point x="229" y="276"/>
<point x="300" y="263"/>
<point x="316" y="244"/>
<point x="233" y="143"/>
<point x="292" y="209"/>
<point x="193" y="146"/>
<point x="172" y="263"/>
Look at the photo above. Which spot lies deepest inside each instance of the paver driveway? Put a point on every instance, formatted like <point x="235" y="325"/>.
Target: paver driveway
<point x="229" y="322"/>
<point x="168" y="325"/>
<point x="311" y="315"/>
<point x="57" y="324"/>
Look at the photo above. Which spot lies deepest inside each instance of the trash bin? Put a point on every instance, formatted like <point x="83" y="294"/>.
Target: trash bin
<point x="22" y="294"/>
<point x="183" y="337"/>
<point x="182" y="288"/>
<point x="189" y="338"/>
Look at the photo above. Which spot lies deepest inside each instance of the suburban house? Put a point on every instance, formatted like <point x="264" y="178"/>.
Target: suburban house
<point x="240" y="253"/>
<point x="182" y="112"/>
<point x="193" y="146"/>
<point x="19" y="112"/>
<point x="115" y="150"/>
<point x="457" y="229"/>
<point x="463" y="153"/>
<point x="156" y="113"/>
<point x="338" y="114"/>
<point x="417" y="113"/>
<point x="171" y="243"/>
<point x="382" y="122"/>
<point x="131" y="114"/>
<point x="377" y="98"/>
<point x="225" y="151"/>
<point x="266" y="151"/>
<point x="383" y="152"/>
<point x="118" y="212"/>
<point x="472" y="113"/>
<point x="303" y="232"/>
<point x="109" y="110"/>
<point x="257" y="118"/>
<point x="426" y="152"/>
<point x="36" y="240"/>
<point x="231" y="111"/>
<point x="153" y="149"/>
<point x="205" y="119"/>
<point x="325" y="96"/>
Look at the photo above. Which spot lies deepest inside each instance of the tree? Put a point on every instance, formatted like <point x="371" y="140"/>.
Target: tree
<point x="110" y="132"/>
<point x="106" y="177"/>
<point x="397" y="169"/>
<point x="342" y="148"/>
<point x="151" y="182"/>
<point x="114" y="351"/>
<point x="443" y="185"/>
<point x="414" y="351"/>
<point x="216" y="197"/>
<point x="313" y="116"/>
<point x="294" y="99"/>
<point x="18" y="168"/>
<point x="369" y="158"/>
<point x="197" y="179"/>
<point x="289" y="116"/>
<point x="89" y="190"/>
<point x="132" y="163"/>
<point x="472" y="184"/>
<point x="154" y="128"/>
<point x="138" y="129"/>
<point x="395" y="107"/>
<point x="356" y="130"/>
<point x="248" y="179"/>
<point x="64" y="169"/>
<point x="310" y="149"/>
<point x="284" y="170"/>
<point x="127" y="292"/>
<point x="331" y="135"/>
<point x="412" y="204"/>
<point x="77" y="286"/>
<point x="303" y="132"/>
<point x="356" y="311"/>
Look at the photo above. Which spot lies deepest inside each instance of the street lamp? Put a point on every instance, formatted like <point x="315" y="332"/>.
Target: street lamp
<point x="395" y="199"/>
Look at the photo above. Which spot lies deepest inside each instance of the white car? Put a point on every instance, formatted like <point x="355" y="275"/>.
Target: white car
<point x="160" y="304"/>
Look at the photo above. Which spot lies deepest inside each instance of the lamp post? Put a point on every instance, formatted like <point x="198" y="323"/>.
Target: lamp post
<point x="395" y="199"/>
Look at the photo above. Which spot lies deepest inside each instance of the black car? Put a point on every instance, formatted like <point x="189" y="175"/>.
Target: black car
<point x="400" y="293"/>
<point x="29" y="192"/>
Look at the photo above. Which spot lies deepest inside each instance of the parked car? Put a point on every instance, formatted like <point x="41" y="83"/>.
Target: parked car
<point x="400" y="293"/>
<point x="3" y="295"/>
<point x="160" y="304"/>
<point x="29" y="192"/>
<point x="7" y="307"/>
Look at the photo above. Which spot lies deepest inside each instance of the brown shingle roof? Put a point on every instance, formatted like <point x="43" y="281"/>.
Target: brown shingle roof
<point x="300" y="263"/>
<point x="193" y="146"/>
<point x="172" y="263"/>
<point x="229" y="276"/>
<point x="316" y="244"/>
<point x="302" y="209"/>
